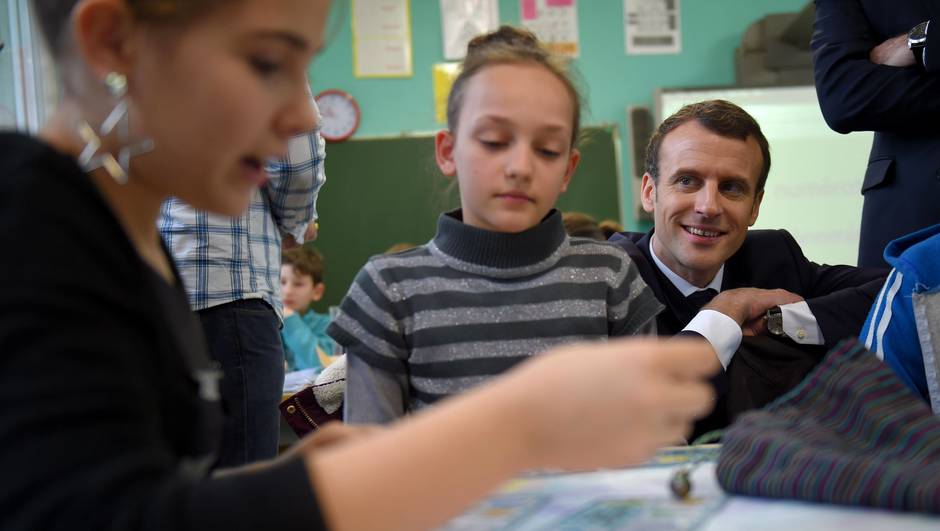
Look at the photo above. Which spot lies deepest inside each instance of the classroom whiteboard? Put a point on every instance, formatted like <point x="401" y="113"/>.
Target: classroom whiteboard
<point x="814" y="187"/>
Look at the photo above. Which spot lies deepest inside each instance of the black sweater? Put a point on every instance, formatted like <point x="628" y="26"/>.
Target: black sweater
<point x="104" y="423"/>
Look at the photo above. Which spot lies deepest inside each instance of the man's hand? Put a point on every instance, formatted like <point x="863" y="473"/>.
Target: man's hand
<point x="747" y="306"/>
<point x="893" y="52"/>
<point x="288" y="241"/>
<point x="313" y="230"/>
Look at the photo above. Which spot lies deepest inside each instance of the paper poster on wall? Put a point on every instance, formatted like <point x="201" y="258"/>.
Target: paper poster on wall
<point x="462" y="20"/>
<point x="443" y="76"/>
<point x="652" y="27"/>
<point x="555" y="22"/>
<point x="381" y="38"/>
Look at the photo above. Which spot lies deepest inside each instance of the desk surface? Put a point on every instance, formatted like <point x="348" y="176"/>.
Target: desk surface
<point x="638" y="499"/>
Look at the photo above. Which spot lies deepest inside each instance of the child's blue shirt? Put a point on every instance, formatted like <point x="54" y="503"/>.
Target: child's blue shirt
<point x="303" y="335"/>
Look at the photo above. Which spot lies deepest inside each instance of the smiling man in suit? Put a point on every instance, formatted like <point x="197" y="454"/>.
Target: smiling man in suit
<point x="706" y="169"/>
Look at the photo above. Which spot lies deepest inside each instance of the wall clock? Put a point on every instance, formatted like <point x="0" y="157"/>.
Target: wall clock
<point x="340" y="114"/>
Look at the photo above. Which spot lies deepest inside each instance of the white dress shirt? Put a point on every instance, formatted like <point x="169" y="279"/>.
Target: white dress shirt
<point x="723" y="333"/>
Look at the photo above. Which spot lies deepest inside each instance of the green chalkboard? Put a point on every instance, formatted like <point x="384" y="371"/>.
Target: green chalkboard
<point x="383" y="191"/>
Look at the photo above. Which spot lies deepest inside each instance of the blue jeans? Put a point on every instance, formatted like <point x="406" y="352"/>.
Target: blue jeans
<point x="244" y="337"/>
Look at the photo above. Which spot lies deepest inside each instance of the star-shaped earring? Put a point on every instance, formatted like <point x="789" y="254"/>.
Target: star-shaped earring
<point x="92" y="156"/>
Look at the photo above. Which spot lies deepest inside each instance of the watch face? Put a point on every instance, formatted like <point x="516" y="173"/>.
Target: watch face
<point x="340" y="114"/>
<point x="918" y="35"/>
<point x="775" y="321"/>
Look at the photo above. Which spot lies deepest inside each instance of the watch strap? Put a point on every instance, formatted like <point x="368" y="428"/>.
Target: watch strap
<point x="918" y="52"/>
<point x="917" y="43"/>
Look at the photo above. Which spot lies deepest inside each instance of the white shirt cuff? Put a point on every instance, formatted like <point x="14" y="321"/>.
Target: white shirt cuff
<point x="721" y="331"/>
<point x="799" y="324"/>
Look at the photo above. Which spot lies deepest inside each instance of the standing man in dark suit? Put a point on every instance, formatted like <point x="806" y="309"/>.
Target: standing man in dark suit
<point x="876" y="71"/>
<point x="706" y="169"/>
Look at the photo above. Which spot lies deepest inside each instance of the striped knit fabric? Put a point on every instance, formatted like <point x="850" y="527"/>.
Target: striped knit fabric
<point x="851" y="433"/>
<point x="439" y="319"/>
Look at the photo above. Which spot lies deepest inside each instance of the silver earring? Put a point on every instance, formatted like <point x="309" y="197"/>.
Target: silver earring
<point x="118" y="122"/>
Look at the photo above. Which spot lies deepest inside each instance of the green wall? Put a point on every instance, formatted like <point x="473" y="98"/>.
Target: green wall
<point x="613" y="81"/>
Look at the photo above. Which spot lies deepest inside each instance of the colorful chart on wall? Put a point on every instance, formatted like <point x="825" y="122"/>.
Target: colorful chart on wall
<point x="555" y="22"/>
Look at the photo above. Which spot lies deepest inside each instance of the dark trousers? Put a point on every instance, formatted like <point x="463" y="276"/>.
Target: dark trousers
<point x="244" y="337"/>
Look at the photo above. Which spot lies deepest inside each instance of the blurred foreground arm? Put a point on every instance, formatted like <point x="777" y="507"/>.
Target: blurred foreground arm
<point x="554" y="411"/>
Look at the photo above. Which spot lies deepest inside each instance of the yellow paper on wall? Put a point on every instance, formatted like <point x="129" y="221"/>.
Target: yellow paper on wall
<point x="444" y="75"/>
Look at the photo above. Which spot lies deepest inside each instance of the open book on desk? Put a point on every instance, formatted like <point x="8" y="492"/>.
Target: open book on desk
<point x="639" y="498"/>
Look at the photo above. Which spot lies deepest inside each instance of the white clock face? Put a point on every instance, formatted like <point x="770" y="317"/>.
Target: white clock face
<point x="340" y="114"/>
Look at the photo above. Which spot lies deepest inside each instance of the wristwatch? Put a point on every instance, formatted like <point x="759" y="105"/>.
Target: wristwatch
<point x="774" y="319"/>
<point x="917" y="42"/>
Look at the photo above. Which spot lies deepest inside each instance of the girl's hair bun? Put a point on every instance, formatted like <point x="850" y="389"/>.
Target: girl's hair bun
<point x="505" y="37"/>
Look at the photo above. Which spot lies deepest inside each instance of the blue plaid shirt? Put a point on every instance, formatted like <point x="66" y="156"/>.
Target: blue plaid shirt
<point x="223" y="259"/>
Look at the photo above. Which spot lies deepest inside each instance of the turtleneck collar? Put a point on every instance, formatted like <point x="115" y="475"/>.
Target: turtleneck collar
<point x="499" y="254"/>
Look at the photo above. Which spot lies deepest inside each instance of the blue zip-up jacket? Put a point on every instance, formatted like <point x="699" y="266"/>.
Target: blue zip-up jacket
<point x="903" y="327"/>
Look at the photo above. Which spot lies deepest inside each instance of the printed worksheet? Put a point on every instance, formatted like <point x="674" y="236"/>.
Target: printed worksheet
<point x="652" y="26"/>
<point x="462" y="20"/>
<point x="629" y="499"/>
<point x="555" y="22"/>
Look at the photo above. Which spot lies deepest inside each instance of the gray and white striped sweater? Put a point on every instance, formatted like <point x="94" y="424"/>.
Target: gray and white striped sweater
<point x="438" y="319"/>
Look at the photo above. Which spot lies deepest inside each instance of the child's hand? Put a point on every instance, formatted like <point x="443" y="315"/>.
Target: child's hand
<point x="614" y="403"/>
<point x="287" y="312"/>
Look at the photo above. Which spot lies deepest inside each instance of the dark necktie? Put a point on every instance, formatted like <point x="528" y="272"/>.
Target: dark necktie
<point x="700" y="298"/>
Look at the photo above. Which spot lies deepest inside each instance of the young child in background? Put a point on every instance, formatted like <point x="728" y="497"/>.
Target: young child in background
<point x="500" y="281"/>
<point x="582" y="225"/>
<point x="306" y="343"/>
<point x="610" y="227"/>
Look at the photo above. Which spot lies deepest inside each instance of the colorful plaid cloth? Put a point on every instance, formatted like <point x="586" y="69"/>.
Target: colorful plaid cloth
<point x="850" y="433"/>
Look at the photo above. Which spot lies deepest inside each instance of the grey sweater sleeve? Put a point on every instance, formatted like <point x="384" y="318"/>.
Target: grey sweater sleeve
<point x="373" y="396"/>
<point x="368" y="328"/>
<point x="631" y="305"/>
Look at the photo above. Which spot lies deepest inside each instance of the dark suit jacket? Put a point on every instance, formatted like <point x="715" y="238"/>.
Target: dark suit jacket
<point x="902" y="182"/>
<point x="763" y="368"/>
